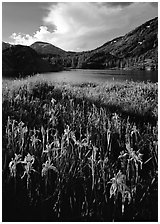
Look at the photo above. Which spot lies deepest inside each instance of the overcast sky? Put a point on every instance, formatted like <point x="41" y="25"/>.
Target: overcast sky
<point x="75" y="26"/>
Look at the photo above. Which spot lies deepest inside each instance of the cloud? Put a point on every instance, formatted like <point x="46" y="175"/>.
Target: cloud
<point x="83" y="26"/>
<point x="78" y="23"/>
<point x="43" y="34"/>
<point x="24" y="39"/>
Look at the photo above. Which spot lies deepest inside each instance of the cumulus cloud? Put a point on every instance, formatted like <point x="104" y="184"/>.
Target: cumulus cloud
<point x="43" y="34"/>
<point x="83" y="26"/>
<point x="24" y="39"/>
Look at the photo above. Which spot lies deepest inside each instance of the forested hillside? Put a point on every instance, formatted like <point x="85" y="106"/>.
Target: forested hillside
<point x="137" y="49"/>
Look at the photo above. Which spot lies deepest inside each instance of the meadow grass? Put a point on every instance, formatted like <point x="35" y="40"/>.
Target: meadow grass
<point x="137" y="98"/>
<point x="79" y="152"/>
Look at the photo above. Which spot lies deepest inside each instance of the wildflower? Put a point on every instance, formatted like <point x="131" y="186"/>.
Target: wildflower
<point x="48" y="166"/>
<point x="134" y="156"/>
<point x="28" y="164"/>
<point x="119" y="186"/>
<point x="53" y="101"/>
<point x="13" y="163"/>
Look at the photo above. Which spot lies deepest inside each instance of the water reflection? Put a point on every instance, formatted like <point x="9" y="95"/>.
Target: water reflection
<point x="79" y="75"/>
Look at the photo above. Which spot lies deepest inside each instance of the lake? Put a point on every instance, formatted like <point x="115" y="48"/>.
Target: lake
<point x="80" y="75"/>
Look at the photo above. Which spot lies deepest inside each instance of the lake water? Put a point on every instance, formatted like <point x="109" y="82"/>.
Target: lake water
<point x="80" y="75"/>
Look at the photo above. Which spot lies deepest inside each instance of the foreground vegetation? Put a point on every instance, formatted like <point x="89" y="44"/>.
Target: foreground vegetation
<point x="79" y="152"/>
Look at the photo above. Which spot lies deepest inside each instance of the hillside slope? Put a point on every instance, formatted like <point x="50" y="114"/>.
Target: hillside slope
<point x="46" y="48"/>
<point x="136" y="49"/>
<point x="21" y="60"/>
<point x="139" y="45"/>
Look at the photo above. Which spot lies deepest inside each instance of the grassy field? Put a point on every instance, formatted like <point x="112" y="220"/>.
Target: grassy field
<point x="79" y="152"/>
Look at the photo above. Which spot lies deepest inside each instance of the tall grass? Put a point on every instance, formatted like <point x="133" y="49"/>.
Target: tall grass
<point x="69" y="156"/>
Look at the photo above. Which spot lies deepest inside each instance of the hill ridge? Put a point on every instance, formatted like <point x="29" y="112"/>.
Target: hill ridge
<point x="138" y="49"/>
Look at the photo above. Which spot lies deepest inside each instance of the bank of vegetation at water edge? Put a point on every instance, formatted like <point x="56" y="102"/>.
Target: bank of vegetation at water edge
<point x="134" y="98"/>
<point x="78" y="152"/>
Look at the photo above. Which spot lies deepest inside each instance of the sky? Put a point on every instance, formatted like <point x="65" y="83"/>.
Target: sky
<point x="72" y="26"/>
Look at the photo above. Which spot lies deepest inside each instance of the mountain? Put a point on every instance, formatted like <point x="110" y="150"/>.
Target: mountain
<point x="46" y="48"/>
<point x="137" y="49"/>
<point x="141" y="44"/>
<point x="22" y="60"/>
<point x="136" y="42"/>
